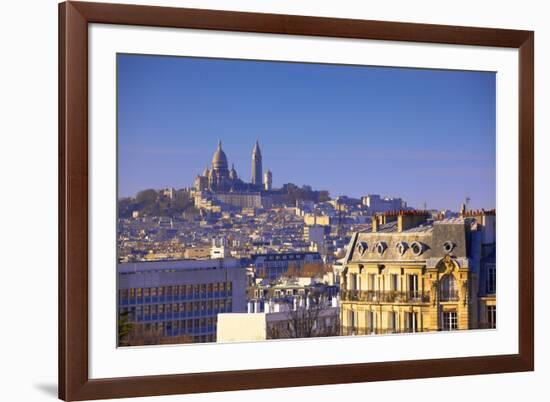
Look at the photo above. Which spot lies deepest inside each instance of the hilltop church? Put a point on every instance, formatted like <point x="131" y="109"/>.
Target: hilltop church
<point x="219" y="185"/>
<point x="219" y="178"/>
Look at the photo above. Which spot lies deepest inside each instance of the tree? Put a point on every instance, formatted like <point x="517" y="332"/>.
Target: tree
<point x="306" y="321"/>
<point x="137" y="334"/>
<point x="146" y="197"/>
<point x="124" y="327"/>
<point x="152" y="203"/>
<point x="314" y="270"/>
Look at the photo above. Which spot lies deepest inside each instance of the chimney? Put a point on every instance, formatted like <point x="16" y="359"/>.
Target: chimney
<point x="383" y="218"/>
<point x="462" y="210"/>
<point x="410" y="219"/>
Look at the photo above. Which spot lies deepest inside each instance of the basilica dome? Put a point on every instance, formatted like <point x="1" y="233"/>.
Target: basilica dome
<point x="219" y="160"/>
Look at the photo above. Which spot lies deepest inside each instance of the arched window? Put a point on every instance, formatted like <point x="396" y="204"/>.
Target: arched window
<point x="448" y="289"/>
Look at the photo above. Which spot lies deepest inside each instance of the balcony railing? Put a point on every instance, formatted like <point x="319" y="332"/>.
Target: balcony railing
<point x="377" y="331"/>
<point x="383" y="296"/>
<point x="449" y="295"/>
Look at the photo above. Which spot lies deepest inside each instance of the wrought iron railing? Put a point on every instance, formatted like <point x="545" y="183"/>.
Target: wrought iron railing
<point x="382" y="296"/>
<point x="377" y="331"/>
<point x="449" y="295"/>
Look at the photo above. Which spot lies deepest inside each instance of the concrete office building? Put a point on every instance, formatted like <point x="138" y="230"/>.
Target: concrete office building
<point x="181" y="297"/>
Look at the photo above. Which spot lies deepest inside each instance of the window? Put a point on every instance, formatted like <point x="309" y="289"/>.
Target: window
<point x="371" y="321"/>
<point x="392" y="321"/>
<point x="411" y="322"/>
<point x="413" y="285"/>
<point x="401" y="247"/>
<point x="372" y="281"/>
<point x="381" y="247"/>
<point x="417" y="248"/>
<point x="450" y="321"/>
<point x="491" y="316"/>
<point x="353" y="318"/>
<point x="394" y="283"/>
<point x="449" y="288"/>
<point x="491" y="279"/>
<point x="123" y="295"/>
<point x="353" y="284"/>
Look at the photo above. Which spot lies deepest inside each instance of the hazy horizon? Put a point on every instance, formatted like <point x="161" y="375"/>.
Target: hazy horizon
<point x="421" y="135"/>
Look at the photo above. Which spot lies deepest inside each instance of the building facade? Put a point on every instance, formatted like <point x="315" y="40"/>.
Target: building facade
<point x="182" y="297"/>
<point x="414" y="274"/>
<point x="281" y="321"/>
<point x="274" y="265"/>
<point x="377" y="204"/>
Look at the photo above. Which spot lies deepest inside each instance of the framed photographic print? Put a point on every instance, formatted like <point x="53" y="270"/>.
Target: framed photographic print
<point x="324" y="193"/>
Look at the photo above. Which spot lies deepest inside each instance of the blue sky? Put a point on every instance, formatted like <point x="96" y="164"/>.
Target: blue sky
<point x="423" y="135"/>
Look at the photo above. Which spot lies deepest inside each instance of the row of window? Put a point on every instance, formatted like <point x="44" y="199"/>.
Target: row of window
<point x="448" y="290"/>
<point x="287" y="257"/>
<point x="393" y="321"/>
<point x="198" y="290"/>
<point x="378" y="282"/>
<point x="449" y="320"/>
<point x="203" y="307"/>
<point x="182" y="327"/>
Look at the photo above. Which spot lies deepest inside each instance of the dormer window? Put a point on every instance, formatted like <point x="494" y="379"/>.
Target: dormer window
<point x="417" y="248"/>
<point x="448" y="246"/>
<point x="401" y="247"/>
<point x="362" y="247"/>
<point x="380" y="247"/>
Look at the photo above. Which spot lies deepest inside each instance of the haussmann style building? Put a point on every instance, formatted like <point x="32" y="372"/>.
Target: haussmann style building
<point x="411" y="273"/>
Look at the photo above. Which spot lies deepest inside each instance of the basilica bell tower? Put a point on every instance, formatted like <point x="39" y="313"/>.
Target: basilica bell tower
<point x="257" y="165"/>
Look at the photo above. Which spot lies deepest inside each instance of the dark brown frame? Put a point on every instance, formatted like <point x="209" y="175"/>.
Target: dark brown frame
<point x="74" y="17"/>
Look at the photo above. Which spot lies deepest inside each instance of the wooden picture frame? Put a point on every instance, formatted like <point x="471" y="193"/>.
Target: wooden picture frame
<point x="74" y="381"/>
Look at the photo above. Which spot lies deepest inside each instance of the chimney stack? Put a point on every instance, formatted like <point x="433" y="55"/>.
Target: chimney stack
<point x="410" y="219"/>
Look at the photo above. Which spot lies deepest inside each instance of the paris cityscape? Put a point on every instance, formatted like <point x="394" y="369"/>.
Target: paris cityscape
<point x="246" y="248"/>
